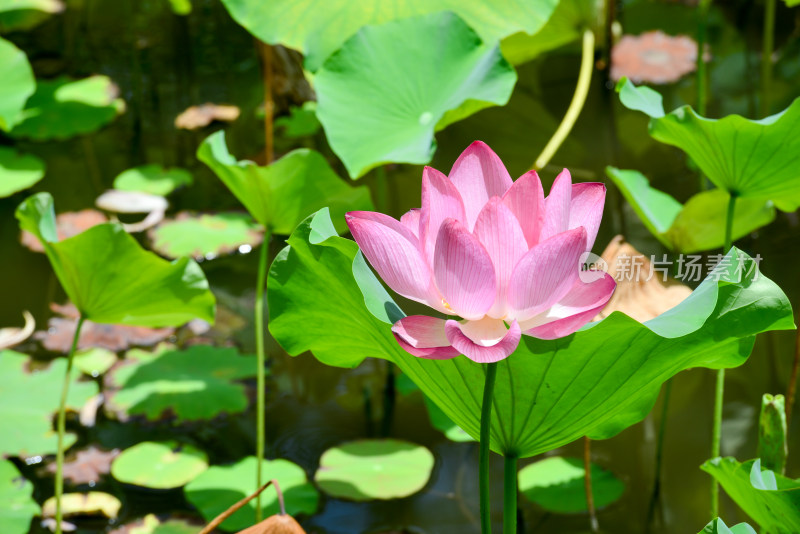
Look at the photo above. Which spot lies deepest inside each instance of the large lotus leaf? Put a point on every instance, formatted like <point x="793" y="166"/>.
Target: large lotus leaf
<point x="385" y="92"/>
<point x="196" y="383"/>
<point x="18" y="171"/>
<point x="111" y="279"/>
<point x="748" y="158"/>
<point x="18" y="84"/>
<point x="61" y="108"/>
<point x="718" y="526"/>
<point x="154" y="179"/>
<point x="700" y="223"/>
<point x="159" y="465"/>
<point x="775" y="506"/>
<point x="28" y="401"/>
<point x="595" y="382"/>
<point x="17" y="506"/>
<point x="319" y="27"/>
<point x="222" y="486"/>
<point x="284" y="193"/>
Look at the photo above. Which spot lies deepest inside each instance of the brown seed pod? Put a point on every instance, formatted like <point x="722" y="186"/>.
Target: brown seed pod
<point x="276" y="524"/>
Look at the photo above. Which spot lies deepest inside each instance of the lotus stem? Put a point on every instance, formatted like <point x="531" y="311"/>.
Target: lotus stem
<point x="269" y="105"/>
<point x="483" y="457"/>
<point x="260" y="357"/>
<point x="662" y="430"/>
<point x="702" y="72"/>
<point x="510" y="494"/>
<point x="792" y="389"/>
<point x="729" y="223"/>
<point x="62" y="423"/>
<point x="766" y="56"/>
<point x="575" y="106"/>
<point x="587" y="484"/>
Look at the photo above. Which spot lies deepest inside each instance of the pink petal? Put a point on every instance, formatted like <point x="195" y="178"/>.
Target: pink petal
<point x="576" y="309"/>
<point x="424" y="336"/>
<point x="440" y="201"/>
<point x="586" y="208"/>
<point x="545" y="274"/>
<point x="410" y="220"/>
<point x="499" y="232"/>
<point x="525" y="199"/>
<point x="484" y="341"/>
<point x="479" y="175"/>
<point x="394" y="253"/>
<point x="463" y="271"/>
<point x="556" y="206"/>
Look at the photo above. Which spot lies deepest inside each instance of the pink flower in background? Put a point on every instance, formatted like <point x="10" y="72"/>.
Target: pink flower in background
<point x="495" y="253"/>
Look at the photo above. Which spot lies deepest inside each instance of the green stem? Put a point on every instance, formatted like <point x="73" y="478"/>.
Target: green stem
<point x="483" y="457"/>
<point x="510" y="494"/>
<point x="729" y="223"/>
<point x="766" y="55"/>
<point x="575" y="106"/>
<point x="702" y="73"/>
<point x="260" y="358"/>
<point x="662" y="430"/>
<point x="62" y="423"/>
<point x="587" y="484"/>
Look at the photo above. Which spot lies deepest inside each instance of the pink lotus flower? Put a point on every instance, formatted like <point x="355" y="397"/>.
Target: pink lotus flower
<point x="495" y="253"/>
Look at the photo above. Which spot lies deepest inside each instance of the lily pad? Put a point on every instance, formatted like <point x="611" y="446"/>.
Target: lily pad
<point x="154" y="179"/>
<point x="385" y="92"/>
<point x="771" y="499"/>
<point x="61" y="108"/>
<point x="205" y="235"/>
<point x="94" y="361"/>
<point x="111" y="279"/>
<point x="86" y="466"/>
<point x="91" y="503"/>
<point x="595" y="382"/>
<point x="301" y="122"/>
<point x="159" y="465"/>
<point x="16" y="494"/>
<point x="196" y="383"/>
<point x="557" y="485"/>
<point x="747" y="158"/>
<point x="18" y="171"/>
<point x="26" y="418"/>
<point x="279" y="196"/>
<point x="18" y="84"/>
<point x="696" y="226"/>
<point x="318" y="28"/>
<point x="374" y="469"/>
<point x="221" y="486"/>
<point x="718" y="526"/>
<point x="150" y="524"/>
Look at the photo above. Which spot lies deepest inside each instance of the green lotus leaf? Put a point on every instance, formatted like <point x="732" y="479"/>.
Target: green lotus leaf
<point x="595" y="382"/>
<point x="384" y="93"/>
<point x="111" y="279"/>
<point x="696" y="226"/>
<point x="159" y="465"/>
<point x="718" y="526"/>
<point x="18" y="171"/>
<point x="61" y="108"/>
<point x="747" y="158"/>
<point x="557" y="485"/>
<point x="221" y="486"/>
<point x="301" y="122"/>
<point x="318" y="28"/>
<point x="21" y="15"/>
<point x="374" y="469"/>
<point x="195" y="383"/>
<point x="18" y="84"/>
<point x="438" y="418"/>
<point x="281" y="195"/>
<point x="205" y="235"/>
<point x="94" y="361"/>
<point x="154" y="179"/>
<point x="26" y="418"/>
<point x="772" y="500"/>
<point x="16" y="496"/>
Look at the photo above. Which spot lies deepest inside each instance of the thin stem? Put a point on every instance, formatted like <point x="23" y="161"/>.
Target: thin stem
<point x="702" y="72"/>
<point x="790" y="393"/>
<point x="62" y="423"/>
<point x="269" y="105"/>
<point x="260" y="357"/>
<point x="510" y="494"/>
<point x="483" y="455"/>
<point x="729" y="223"/>
<point x="575" y="106"/>
<point x="662" y="430"/>
<point x="587" y="483"/>
<point x="766" y="55"/>
<point x="382" y="189"/>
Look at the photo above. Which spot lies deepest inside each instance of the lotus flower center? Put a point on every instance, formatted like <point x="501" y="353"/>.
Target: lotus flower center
<point x="447" y="306"/>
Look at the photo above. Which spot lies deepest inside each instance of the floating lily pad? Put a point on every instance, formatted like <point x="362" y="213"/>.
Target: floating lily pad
<point x="150" y="524"/>
<point x="557" y="485"/>
<point x="28" y="401"/>
<point x="159" y="465"/>
<point x="221" y="486"/>
<point x="18" y="171"/>
<point x="374" y="469"/>
<point x="16" y="495"/>
<point x="61" y="108"/>
<point x="195" y="383"/>
<point x="94" y="361"/>
<point x="154" y="179"/>
<point x="87" y="466"/>
<point x="91" y="503"/>
<point x="377" y="98"/>
<point x="205" y="235"/>
<point x="301" y="122"/>
<point x="319" y="28"/>
<point x="718" y="526"/>
<point x="18" y="84"/>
